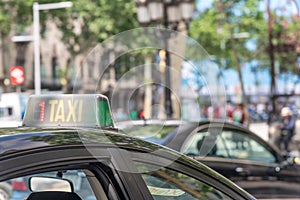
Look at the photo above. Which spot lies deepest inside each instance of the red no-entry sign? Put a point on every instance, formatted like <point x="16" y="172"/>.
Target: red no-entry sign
<point x="17" y="75"/>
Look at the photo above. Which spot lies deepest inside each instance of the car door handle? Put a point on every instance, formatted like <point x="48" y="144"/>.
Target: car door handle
<point x="242" y="171"/>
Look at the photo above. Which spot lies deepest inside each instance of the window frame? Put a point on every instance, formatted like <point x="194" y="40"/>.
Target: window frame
<point x="248" y="139"/>
<point x="242" y="131"/>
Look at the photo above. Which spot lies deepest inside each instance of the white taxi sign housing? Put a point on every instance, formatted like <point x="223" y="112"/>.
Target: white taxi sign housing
<point x="68" y="110"/>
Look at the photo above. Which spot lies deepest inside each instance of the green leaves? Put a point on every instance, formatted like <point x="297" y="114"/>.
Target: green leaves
<point x="15" y="13"/>
<point x="210" y="30"/>
<point x="96" y="20"/>
<point x="101" y="19"/>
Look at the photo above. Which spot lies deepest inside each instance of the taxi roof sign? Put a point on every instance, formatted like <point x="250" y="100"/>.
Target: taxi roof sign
<point x="68" y="110"/>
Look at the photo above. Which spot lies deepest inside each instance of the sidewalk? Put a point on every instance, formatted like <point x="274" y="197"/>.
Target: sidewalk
<point x="262" y="129"/>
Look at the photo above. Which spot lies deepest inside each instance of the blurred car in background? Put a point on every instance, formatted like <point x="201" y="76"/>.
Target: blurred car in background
<point x="12" y="108"/>
<point x="234" y="151"/>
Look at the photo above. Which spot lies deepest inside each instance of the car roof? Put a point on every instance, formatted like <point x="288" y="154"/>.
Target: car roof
<point x="24" y="138"/>
<point x="13" y="141"/>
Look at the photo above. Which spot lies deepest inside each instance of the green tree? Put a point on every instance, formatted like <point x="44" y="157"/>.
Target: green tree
<point x="224" y="31"/>
<point x="15" y="15"/>
<point x="89" y="22"/>
<point x="84" y="25"/>
<point x="212" y="28"/>
<point x="97" y="21"/>
<point x="274" y="34"/>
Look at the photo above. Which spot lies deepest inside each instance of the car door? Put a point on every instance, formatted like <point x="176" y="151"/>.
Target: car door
<point x="251" y="160"/>
<point x="93" y="176"/>
<point x="258" y="168"/>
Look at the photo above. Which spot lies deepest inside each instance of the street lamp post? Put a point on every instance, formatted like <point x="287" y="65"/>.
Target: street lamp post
<point x="171" y="12"/>
<point x="36" y="38"/>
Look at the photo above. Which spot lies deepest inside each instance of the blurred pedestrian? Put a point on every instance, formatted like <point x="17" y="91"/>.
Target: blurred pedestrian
<point x="239" y="117"/>
<point x="204" y="112"/>
<point x="142" y="115"/>
<point x="133" y="115"/>
<point x="287" y="128"/>
<point x="216" y="112"/>
<point x="229" y="111"/>
<point x="239" y="114"/>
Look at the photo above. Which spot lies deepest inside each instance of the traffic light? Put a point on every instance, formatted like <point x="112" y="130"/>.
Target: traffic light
<point x="162" y="60"/>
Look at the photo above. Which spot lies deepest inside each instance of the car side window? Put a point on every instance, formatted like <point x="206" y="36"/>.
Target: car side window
<point x="241" y="146"/>
<point x="166" y="183"/>
<point x="228" y="143"/>
<point x="203" y="143"/>
<point x="19" y="188"/>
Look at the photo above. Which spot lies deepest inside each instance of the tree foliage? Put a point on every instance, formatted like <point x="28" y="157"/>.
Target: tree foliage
<point x="89" y="22"/>
<point x="244" y="16"/>
<point x="286" y="41"/>
<point x="83" y="25"/>
<point x="209" y="29"/>
<point x="15" y="14"/>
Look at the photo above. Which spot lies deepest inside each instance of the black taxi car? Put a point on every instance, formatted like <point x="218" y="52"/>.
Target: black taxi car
<point x="68" y="148"/>
<point x="233" y="151"/>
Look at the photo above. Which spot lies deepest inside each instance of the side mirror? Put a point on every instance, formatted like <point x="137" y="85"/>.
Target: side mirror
<point x="41" y="183"/>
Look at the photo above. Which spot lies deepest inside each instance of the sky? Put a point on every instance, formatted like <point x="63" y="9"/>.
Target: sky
<point x="203" y="4"/>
